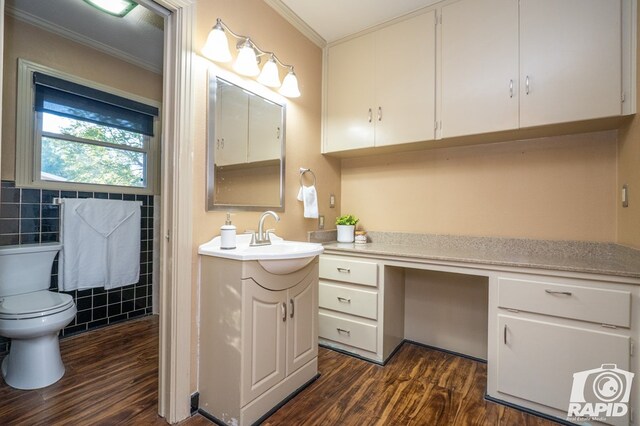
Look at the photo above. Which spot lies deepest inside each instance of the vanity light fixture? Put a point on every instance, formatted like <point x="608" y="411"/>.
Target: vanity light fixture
<point x="117" y="8"/>
<point x="248" y="60"/>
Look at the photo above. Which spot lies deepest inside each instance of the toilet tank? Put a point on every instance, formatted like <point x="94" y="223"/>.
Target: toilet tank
<point x="27" y="267"/>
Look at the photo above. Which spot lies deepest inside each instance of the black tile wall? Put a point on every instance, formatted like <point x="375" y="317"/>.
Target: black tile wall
<point x="30" y="216"/>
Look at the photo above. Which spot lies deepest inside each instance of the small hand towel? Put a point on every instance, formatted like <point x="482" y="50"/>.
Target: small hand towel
<point x="309" y="198"/>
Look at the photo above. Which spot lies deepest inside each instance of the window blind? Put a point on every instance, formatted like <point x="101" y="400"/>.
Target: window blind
<point x="72" y="100"/>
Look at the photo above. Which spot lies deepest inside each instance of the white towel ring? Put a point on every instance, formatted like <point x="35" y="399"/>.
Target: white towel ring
<point x="303" y="171"/>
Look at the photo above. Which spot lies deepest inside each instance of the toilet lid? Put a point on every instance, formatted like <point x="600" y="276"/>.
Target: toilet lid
<point x="38" y="303"/>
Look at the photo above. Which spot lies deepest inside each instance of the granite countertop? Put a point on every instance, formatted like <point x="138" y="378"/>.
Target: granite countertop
<point x="573" y="256"/>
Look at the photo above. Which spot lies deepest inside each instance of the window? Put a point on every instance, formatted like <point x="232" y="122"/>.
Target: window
<point x="75" y="134"/>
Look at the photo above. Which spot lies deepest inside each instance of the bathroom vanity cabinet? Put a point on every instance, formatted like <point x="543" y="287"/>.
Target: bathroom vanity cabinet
<point x="259" y="337"/>
<point x="546" y="321"/>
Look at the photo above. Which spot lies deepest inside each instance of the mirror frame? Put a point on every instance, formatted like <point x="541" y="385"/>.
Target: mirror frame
<point x="257" y="90"/>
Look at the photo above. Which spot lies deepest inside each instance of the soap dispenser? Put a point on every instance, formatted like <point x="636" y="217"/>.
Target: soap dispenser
<point x="228" y="234"/>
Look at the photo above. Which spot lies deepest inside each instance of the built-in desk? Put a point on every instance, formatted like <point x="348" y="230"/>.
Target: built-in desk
<point x="551" y="308"/>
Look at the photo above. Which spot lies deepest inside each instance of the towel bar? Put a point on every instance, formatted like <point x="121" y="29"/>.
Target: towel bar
<point x="58" y="200"/>
<point x="303" y="171"/>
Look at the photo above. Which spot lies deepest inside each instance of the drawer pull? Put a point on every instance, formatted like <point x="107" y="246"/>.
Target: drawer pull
<point x="344" y="299"/>
<point x="344" y="270"/>
<point x="563" y="293"/>
<point x="342" y="330"/>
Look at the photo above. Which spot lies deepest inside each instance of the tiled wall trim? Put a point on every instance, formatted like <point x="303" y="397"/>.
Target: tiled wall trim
<point x="29" y="216"/>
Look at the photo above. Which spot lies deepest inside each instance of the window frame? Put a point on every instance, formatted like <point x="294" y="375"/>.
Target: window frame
<point x="29" y="137"/>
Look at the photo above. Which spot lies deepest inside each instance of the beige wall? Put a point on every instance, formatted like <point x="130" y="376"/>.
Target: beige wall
<point x="551" y="188"/>
<point x="28" y="42"/>
<point x="629" y="173"/>
<point x="271" y="32"/>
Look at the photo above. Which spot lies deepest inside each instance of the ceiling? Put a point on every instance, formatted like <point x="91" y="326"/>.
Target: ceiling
<point x="137" y="38"/>
<point x="335" y="19"/>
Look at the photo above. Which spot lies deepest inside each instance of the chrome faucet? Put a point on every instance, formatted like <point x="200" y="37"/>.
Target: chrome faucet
<point x="263" y="239"/>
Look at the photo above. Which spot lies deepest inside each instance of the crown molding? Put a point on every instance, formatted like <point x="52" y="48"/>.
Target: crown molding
<point x="79" y="38"/>
<point x="297" y="22"/>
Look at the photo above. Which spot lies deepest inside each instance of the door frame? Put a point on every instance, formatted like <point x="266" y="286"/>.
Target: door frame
<point x="174" y="376"/>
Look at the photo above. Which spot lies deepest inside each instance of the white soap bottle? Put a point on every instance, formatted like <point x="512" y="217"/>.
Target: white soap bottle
<point x="228" y="234"/>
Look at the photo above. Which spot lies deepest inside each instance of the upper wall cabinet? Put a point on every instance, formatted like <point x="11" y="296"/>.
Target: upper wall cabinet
<point x="381" y="87"/>
<point x="501" y="65"/>
<point x="479" y="79"/>
<point x="570" y="60"/>
<point x="569" y="56"/>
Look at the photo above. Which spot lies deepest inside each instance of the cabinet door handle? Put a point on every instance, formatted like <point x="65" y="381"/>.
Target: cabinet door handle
<point x="284" y="311"/>
<point x="370" y="115"/>
<point x="511" y="88"/>
<point x="504" y="334"/>
<point x="292" y="308"/>
<point x="342" y="330"/>
<point x="344" y="270"/>
<point x="564" y="293"/>
<point x="526" y="85"/>
<point x="379" y="113"/>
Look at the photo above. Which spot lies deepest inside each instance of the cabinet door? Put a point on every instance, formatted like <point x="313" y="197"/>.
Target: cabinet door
<point x="233" y="125"/>
<point x="265" y="132"/>
<point x="302" y="326"/>
<point x="537" y="359"/>
<point x="479" y="67"/>
<point x="350" y="96"/>
<point x="570" y="60"/>
<point x="405" y="58"/>
<point x="263" y="340"/>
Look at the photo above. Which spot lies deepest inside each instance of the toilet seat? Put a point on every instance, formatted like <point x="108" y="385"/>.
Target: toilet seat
<point x="34" y="305"/>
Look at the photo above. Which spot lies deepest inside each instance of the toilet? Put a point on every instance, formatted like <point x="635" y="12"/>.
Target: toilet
<point x="31" y="315"/>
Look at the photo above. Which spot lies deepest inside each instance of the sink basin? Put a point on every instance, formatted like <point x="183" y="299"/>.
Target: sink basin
<point x="280" y="257"/>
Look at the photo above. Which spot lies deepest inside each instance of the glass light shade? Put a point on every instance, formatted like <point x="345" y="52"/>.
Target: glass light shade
<point x="216" y="47"/>
<point x="246" y="62"/>
<point x="269" y="75"/>
<point x="117" y="8"/>
<point x="290" y="86"/>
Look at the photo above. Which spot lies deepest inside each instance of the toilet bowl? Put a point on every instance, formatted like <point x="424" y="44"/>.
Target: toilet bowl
<point x="31" y="316"/>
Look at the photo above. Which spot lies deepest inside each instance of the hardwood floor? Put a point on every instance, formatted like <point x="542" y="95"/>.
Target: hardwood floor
<point x="112" y="379"/>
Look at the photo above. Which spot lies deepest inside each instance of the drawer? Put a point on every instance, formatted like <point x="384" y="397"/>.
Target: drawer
<point x="349" y="332"/>
<point x="363" y="303"/>
<point x="339" y="268"/>
<point x="599" y="305"/>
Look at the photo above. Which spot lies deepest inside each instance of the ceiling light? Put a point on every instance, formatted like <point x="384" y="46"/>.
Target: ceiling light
<point x="117" y="8"/>
<point x="269" y="75"/>
<point x="290" y="85"/>
<point x="247" y="61"/>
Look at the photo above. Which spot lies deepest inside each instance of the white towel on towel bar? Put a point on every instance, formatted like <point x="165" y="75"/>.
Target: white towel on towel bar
<point x="309" y="197"/>
<point x="100" y="243"/>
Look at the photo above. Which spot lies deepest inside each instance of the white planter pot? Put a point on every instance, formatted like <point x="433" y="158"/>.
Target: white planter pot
<point x="346" y="233"/>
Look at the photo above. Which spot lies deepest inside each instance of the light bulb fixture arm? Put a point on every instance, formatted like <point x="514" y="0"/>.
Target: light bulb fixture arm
<point x="242" y="40"/>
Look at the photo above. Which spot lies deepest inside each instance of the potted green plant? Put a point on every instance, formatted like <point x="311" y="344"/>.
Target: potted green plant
<point x="346" y="225"/>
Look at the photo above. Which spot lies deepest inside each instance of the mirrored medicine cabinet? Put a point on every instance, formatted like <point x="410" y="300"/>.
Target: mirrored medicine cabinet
<point x="246" y="149"/>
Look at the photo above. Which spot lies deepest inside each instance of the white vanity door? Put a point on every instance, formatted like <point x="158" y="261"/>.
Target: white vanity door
<point x="263" y="340"/>
<point x="302" y="324"/>
<point x="537" y="359"/>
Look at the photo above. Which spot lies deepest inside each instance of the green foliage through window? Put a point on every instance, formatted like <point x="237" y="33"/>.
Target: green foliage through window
<point x="106" y="161"/>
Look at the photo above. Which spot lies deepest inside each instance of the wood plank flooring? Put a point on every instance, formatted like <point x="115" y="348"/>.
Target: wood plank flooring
<point x="111" y="379"/>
